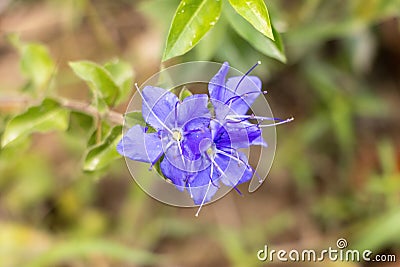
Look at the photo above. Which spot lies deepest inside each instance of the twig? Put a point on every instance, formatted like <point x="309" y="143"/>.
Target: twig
<point x="18" y="103"/>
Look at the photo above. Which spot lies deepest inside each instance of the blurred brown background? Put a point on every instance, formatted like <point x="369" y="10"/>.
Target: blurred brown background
<point x="337" y="167"/>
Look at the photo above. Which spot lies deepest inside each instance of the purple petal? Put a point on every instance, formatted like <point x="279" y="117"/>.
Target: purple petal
<point x="196" y="136"/>
<point x="201" y="187"/>
<point x="236" y="135"/>
<point x="230" y="136"/>
<point x="222" y="110"/>
<point x="235" y="171"/>
<point x="177" y="176"/>
<point x="247" y="91"/>
<point x="216" y="86"/>
<point x="254" y="134"/>
<point x="174" y="156"/>
<point x="194" y="106"/>
<point x="140" y="146"/>
<point x="161" y="103"/>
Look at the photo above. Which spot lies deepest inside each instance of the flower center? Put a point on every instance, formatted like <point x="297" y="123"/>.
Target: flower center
<point x="210" y="151"/>
<point x="177" y="135"/>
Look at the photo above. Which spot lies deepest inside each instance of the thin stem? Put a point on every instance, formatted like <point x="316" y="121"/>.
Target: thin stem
<point x="20" y="103"/>
<point x="98" y="132"/>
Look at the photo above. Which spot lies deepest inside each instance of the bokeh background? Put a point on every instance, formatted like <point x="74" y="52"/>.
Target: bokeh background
<point x="337" y="167"/>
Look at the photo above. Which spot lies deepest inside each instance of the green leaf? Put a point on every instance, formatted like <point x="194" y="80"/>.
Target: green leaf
<point x="43" y="118"/>
<point x="212" y="41"/>
<point x="192" y="20"/>
<point x="380" y="232"/>
<point x="81" y="124"/>
<point x="103" y="154"/>
<point x="256" y="13"/>
<point x="256" y="39"/>
<point x="157" y="167"/>
<point x="105" y="129"/>
<point x="136" y="118"/>
<point x="122" y="74"/>
<point x="73" y="249"/>
<point x="99" y="80"/>
<point x="184" y="93"/>
<point x="37" y="64"/>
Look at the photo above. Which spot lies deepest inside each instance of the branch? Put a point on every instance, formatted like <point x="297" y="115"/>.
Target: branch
<point x="14" y="104"/>
<point x="112" y="116"/>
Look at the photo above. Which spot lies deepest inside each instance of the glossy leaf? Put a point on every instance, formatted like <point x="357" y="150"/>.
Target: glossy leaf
<point x="192" y="20"/>
<point x="43" y="118"/>
<point x="123" y="75"/>
<point x="256" y="39"/>
<point x="208" y="46"/>
<point x="256" y="13"/>
<point x="103" y="154"/>
<point x="98" y="79"/>
<point x="37" y="64"/>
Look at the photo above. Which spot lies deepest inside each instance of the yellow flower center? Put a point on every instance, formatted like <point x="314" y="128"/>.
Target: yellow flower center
<point x="210" y="151"/>
<point x="177" y="135"/>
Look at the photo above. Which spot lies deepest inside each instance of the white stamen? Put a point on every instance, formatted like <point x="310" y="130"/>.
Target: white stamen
<point x="238" y="117"/>
<point x="190" y="191"/>
<point x="181" y="153"/>
<point x="168" y="146"/>
<point x="232" y="157"/>
<point x="218" y="167"/>
<point x="250" y="117"/>
<point x="204" y="199"/>
<point x="277" y="123"/>
<point x="147" y="104"/>
<point x="237" y="159"/>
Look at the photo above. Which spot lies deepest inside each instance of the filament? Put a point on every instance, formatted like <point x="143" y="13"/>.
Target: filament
<point x="236" y="97"/>
<point x="151" y="110"/>
<point x="246" y="74"/>
<point x="204" y="198"/>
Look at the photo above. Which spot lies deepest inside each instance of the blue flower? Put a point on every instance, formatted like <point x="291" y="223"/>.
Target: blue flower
<point x="180" y="127"/>
<point x="230" y="131"/>
<point x="199" y="149"/>
<point x="231" y="100"/>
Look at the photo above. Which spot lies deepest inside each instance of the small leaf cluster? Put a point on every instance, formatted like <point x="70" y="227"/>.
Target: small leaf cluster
<point x="193" y="19"/>
<point x="110" y="85"/>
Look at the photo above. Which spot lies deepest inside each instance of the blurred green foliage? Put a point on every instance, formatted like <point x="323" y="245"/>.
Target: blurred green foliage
<point x="339" y="162"/>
